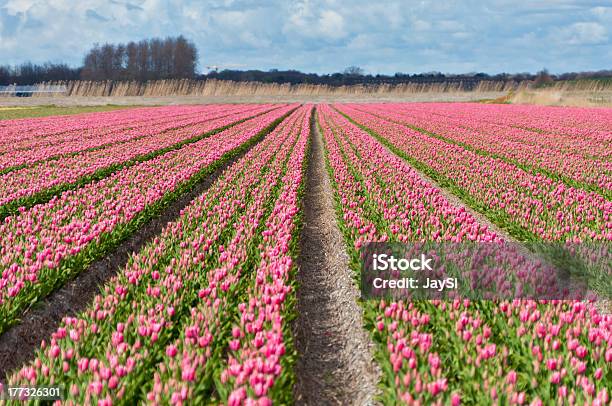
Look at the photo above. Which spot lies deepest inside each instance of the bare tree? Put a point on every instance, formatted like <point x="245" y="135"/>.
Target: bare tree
<point x="143" y="60"/>
<point x="131" y="61"/>
<point x="185" y="57"/>
<point x="167" y="58"/>
<point x="354" y="71"/>
<point x="146" y="60"/>
<point x="543" y="78"/>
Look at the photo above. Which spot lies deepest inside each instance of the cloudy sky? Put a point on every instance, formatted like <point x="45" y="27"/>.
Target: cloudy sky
<point x="326" y="35"/>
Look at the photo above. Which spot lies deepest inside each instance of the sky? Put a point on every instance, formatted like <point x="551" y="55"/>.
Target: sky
<point x="323" y="36"/>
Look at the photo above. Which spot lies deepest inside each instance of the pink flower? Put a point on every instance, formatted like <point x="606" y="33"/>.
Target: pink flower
<point x="437" y="386"/>
<point x="83" y="363"/>
<point x="234" y="345"/>
<point x="74" y="335"/>
<point x="434" y="361"/>
<point x="113" y="382"/>
<point x="171" y="351"/>
<point x="412" y="363"/>
<point x="236" y="332"/>
<point x="236" y="397"/>
<point x="572" y="344"/>
<point x="54" y="351"/>
<point x="95" y="387"/>
<point x="188" y="373"/>
<point x="598" y="373"/>
<point x="581" y="352"/>
<point x="264" y="401"/>
<point x="555" y="378"/>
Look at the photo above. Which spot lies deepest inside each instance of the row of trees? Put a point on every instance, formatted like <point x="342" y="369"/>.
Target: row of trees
<point x="176" y="58"/>
<point x="170" y="58"/>
<point x="354" y="75"/>
<point x="28" y="73"/>
<point x="150" y="59"/>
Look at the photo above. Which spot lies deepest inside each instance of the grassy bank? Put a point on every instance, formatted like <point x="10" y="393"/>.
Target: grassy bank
<point x="10" y="113"/>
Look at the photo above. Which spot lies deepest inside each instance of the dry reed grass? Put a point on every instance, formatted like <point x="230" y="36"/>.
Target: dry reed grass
<point x="186" y="87"/>
<point x="563" y="97"/>
<point x="579" y="93"/>
<point x="587" y="93"/>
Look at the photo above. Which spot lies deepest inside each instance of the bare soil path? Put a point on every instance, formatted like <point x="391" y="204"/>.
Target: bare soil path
<point x="336" y="362"/>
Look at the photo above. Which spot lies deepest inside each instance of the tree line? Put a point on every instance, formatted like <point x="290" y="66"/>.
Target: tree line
<point x="176" y="58"/>
<point x="29" y="73"/>
<point x="149" y="59"/>
<point x="356" y="76"/>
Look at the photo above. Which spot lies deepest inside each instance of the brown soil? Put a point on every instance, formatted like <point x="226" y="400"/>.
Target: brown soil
<point x="19" y="343"/>
<point x="336" y="362"/>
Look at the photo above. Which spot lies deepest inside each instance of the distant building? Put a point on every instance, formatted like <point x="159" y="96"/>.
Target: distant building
<point x="29" y="91"/>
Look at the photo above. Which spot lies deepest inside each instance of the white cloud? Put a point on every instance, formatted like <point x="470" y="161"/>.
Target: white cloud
<point x="308" y="21"/>
<point x="603" y="15"/>
<point x="18" y="6"/>
<point x="331" y="24"/>
<point x="584" y="33"/>
<point x="324" y="35"/>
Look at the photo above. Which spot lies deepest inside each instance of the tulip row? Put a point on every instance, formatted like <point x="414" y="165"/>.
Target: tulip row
<point x="386" y="169"/>
<point x="583" y="131"/>
<point x="46" y="138"/>
<point x="529" y="206"/>
<point x="39" y="182"/>
<point x="391" y="191"/>
<point x="41" y="147"/>
<point x="161" y="328"/>
<point x="571" y="122"/>
<point x="28" y="129"/>
<point x="29" y="133"/>
<point x="485" y="352"/>
<point x="43" y="246"/>
<point x="437" y="352"/>
<point x="261" y="357"/>
<point x="556" y="156"/>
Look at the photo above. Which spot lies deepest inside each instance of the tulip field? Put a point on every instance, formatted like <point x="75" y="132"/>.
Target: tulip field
<point x="518" y="352"/>
<point x="205" y="311"/>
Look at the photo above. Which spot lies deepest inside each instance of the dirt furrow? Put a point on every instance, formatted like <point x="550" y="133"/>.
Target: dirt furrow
<point x="336" y="362"/>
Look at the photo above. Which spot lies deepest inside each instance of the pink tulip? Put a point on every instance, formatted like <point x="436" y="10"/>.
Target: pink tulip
<point x="171" y="351"/>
